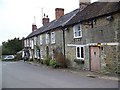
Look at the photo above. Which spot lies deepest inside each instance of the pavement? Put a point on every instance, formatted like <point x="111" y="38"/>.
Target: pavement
<point x="81" y="72"/>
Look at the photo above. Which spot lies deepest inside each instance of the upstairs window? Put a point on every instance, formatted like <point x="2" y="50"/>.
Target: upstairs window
<point x="47" y="38"/>
<point x="27" y="42"/>
<point x="52" y="37"/>
<point x="77" y="31"/>
<point x="30" y="43"/>
<point x="79" y="52"/>
<point x="35" y="40"/>
<point x="40" y="39"/>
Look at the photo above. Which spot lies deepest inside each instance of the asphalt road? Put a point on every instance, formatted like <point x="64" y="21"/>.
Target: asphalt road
<point x="23" y="75"/>
<point x="0" y="74"/>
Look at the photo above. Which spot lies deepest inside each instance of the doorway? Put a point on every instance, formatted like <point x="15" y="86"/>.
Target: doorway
<point x="94" y="58"/>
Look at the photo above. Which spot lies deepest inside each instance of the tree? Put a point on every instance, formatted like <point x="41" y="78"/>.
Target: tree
<point x="12" y="46"/>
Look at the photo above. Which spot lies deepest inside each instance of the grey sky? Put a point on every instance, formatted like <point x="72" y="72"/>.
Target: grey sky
<point x="16" y="16"/>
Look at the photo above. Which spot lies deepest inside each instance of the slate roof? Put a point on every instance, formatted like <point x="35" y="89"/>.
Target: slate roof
<point x="54" y="24"/>
<point x="41" y="29"/>
<point x="94" y="10"/>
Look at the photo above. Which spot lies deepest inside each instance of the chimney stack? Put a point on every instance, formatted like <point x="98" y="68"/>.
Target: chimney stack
<point x="45" y="20"/>
<point x="34" y="27"/>
<point x="83" y="4"/>
<point x="59" y="12"/>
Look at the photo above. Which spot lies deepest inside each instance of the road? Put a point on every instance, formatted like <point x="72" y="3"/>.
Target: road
<point x="23" y="75"/>
<point x="0" y="75"/>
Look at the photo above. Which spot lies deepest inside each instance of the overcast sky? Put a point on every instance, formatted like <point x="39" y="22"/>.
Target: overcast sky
<point x="17" y="16"/>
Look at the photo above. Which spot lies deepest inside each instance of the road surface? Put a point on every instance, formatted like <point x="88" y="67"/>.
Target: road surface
<point x="0" y="75"/>
<point x="23" y="75"/>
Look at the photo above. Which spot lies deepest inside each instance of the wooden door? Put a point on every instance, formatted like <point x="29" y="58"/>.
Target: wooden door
<point x="94" y="58"/>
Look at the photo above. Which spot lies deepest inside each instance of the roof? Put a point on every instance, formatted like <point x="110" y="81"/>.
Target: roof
<point x="41" y="29"/>
<point x="54" y="24"/>
<point x="95" y="10"/>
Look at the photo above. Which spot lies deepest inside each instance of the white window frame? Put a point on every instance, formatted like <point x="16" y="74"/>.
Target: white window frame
<point x="76" y="31"/>
<point x="25" y="45"/>
<point x="32" y="45"/>
<point x="27" y="42"/>
<point x="80" y="52"/>
<point x="41" y="54"/>
<point x="35" y="40"/>
<point x="52" y="37"/>
<point x="41" y="42"/>
<point x="47" y="38"/>
<point x="30" y="42"/>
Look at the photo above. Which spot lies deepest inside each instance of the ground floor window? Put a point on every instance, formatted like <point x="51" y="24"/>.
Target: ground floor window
<point x="41" y="54"/>
<point x="80" y="52"/>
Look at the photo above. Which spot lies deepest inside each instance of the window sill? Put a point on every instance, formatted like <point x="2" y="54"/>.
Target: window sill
<point x="77" y="37"/>
<point x="52" y="43"/>
<point x="80" y="61"/>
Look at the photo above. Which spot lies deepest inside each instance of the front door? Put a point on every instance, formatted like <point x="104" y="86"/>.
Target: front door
<point x="47" y="51"/>
<point x="94" y="58"/>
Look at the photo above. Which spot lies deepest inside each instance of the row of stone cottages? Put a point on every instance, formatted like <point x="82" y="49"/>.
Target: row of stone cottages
<point x="88" y="37"/>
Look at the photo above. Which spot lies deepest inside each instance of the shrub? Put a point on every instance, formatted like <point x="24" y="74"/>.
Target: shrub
<point x="61" y="61"/>
<point x="59" y="57"/>
<point x="31" y="59"/>
<point x="46" y="61"/>
<point x="38" y="61"/>
<point x="54" y="64"/>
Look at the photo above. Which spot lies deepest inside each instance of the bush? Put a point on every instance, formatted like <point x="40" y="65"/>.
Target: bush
<point x="31" y="59"/>
<point x="54" y="64"/>
<point x="59" y="57"/>
<point x="46" y="61"/>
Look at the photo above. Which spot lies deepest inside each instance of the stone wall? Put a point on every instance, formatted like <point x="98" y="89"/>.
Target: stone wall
<point x="103" y="31"/>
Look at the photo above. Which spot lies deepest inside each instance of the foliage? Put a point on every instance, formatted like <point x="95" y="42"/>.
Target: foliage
<point x="19" y="56"/>
<point x="46" y="61"/>
<point x="31" y="59"/>
<point x="59" y="57"/>
<point x="38" y="47"/>
<point x="38" y="61"/>
<point x="12" y="46"/>
<point x="54" y="64"/>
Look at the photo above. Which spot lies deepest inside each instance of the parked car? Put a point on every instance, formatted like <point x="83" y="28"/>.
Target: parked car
<point x="9" y="57"/>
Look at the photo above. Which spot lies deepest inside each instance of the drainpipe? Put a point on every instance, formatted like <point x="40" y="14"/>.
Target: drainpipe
<point x="63" y="29"/>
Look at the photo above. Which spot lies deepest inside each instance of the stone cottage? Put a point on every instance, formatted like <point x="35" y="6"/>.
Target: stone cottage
<point x="93" y="37"/>
<point x="88" y="37"/>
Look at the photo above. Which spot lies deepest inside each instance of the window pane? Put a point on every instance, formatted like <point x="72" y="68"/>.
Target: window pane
<point x="75" y="34"/>
<point x="78" y="52"/>
<point x="82" y="52"/>
<point x="79" y="33"/>
<point x="78" y="27"/>
<point x="52" y="37"/>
